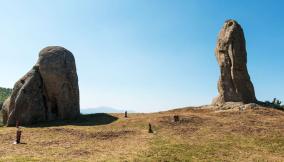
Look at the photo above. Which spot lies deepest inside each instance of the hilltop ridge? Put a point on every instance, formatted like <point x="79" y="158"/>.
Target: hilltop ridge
<point x="201" y="134"/>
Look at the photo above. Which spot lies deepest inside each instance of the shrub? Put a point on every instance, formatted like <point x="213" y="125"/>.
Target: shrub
<point x="275" y="104"/>
<point x="4" y="93"/>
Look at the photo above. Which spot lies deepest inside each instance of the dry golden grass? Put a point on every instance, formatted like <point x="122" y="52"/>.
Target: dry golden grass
<point x="200" y="135"/>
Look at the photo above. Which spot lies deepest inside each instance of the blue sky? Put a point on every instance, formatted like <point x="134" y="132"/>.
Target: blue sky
<point x="143" y="55"/>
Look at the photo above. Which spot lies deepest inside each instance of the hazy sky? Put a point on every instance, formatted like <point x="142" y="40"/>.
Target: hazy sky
<point x="143" y="55"/>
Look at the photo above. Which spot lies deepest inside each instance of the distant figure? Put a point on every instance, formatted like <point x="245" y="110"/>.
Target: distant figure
<point x="18" y="133"/>
<point x="176" y="118"/>
<point x="125" y="114"/>
<point x="150" y="128"/>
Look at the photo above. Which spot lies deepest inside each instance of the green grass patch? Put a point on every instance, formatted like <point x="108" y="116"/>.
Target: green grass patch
<point x="272" y="144"/>
<point x="228" y="148"/>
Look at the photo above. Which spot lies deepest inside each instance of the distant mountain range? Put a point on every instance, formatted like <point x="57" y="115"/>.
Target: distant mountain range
<point x="103" y="109"/>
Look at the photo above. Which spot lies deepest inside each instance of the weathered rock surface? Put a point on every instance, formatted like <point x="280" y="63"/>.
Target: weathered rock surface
<point x="4" y="110"/>
<point x="49" y="91"/>
<point x="234" y="84"/>
<point x="58" y="71"/>
<point x="26" y="102"/>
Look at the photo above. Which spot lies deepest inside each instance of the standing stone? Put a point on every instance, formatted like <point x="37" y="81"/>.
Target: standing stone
<point x="234" y="84"/>
<point x="58" y="71"/>
<point x="47" y="92"/>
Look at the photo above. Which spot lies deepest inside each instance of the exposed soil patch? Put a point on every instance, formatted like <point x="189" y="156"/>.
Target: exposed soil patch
<point x="185" y="130"/>
<point x="183" y="120"/>
<point x="50" y="142"/>
<point x="101" y="135"/>
<point x="269" y="112"/>
<point x="106" y="135"/>
<point x="228" y="113"/>
<point x="247" y="130"/>
<point x="80" y="152"/>
<point x="7" y="137"/>
<point x="187" y="124"/>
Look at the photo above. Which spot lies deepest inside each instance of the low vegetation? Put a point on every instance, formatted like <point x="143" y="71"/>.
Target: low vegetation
<point x="275" y="103"/>
<point x="4" y="94"/>
<point x="198" y="135"/>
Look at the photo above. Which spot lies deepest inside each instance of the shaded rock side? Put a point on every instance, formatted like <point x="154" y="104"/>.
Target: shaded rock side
<point x="26" y="102"/>
<point x="4" y="111"/>
<point x="234" y="84"/>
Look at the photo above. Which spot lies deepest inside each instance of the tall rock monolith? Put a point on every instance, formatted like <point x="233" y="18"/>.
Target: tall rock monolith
<point x="234" y="84"/>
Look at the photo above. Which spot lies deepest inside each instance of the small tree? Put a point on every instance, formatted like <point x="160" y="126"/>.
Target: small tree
<point x="276" y="102"/>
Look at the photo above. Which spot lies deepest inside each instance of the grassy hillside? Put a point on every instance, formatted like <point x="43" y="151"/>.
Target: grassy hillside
<point x="200" y="135"/>
<point x="4" y="93"/>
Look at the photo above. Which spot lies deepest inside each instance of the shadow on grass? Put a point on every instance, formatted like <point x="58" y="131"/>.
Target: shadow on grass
<point x="82" y="120"/>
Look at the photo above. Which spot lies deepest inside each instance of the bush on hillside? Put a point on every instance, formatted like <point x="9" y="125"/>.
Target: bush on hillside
<point x="4" y="93"/>
<point x="275" y="104"/>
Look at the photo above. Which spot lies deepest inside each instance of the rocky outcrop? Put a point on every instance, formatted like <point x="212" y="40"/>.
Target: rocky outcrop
<point x="26" y="102"/>
<point x="4" y="110"/>
<point x="58" y="71"/>
<point x="49" y="91"/>
<point x="234" y="84"/>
